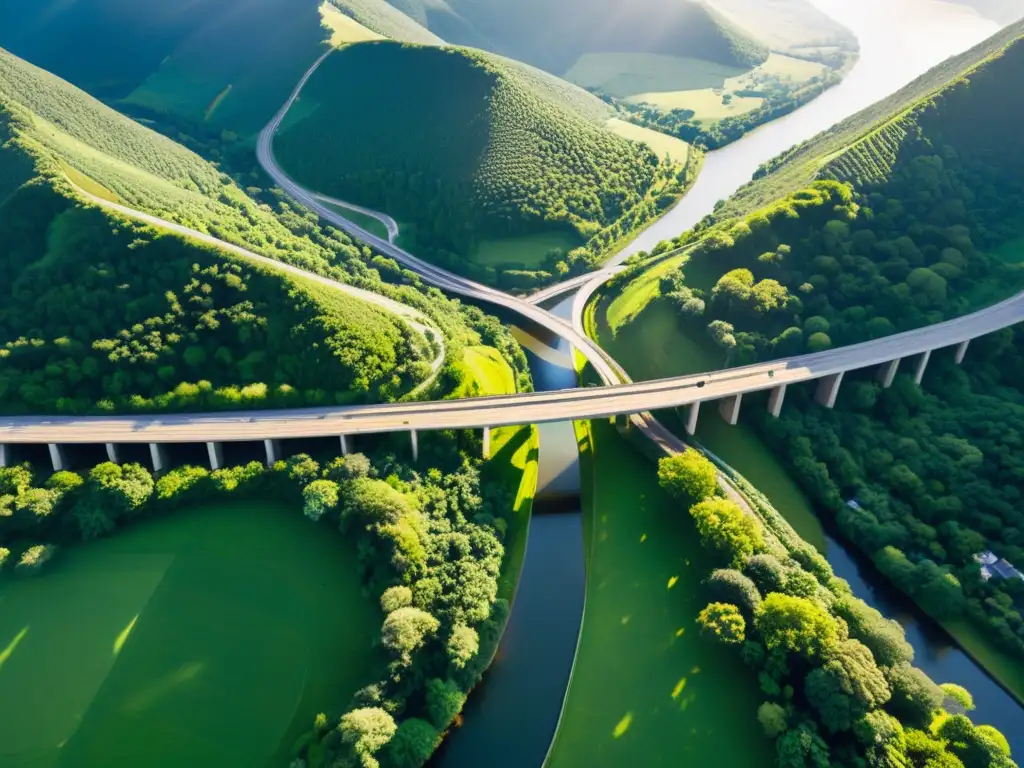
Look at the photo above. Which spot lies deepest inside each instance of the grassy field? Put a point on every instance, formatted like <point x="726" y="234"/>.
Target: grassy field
<point x="370" y="224"/>
<point x="528" y="250"/>
<point x="625" y="75"/>
<point x="344" y="29"/>
<point x="485" y="372"/>
<point x="208" y="638"/>
<point x="706" y="103"/>
<point x="646" y="688"/>
<point x="514" y="455"/>
<point x="662" y="144"/>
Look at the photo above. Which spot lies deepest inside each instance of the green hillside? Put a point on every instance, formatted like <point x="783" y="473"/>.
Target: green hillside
<point x="89" y="324"/>
<point x="914" y="218"/>
<point x="227" y="62"/>
<point x="800" y="165"/>
<point x="469" y="148"/>
<point x="388" y="20"/>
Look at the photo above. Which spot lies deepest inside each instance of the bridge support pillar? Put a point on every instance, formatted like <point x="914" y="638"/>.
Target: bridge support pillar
<point x="487" y="443"/>
<point x="3" y="455"/>
<point x="414" y="438"/>
<point x="216" y="454"/>
<point x="922" y="366"/>
<point x="730" y="409"/>
<point x="273" y="449"/>
<point x="57" y="457"/>
<point x="346" y="447"/>
<point x="691" y="418"/>
<point x="112" y="455"/>
<point x="887" y="373"/>
<point x="961" y="351"/>
<point x="828" y="390"/>
<point x="775" y="400"/>
<point x="158" y="453"/>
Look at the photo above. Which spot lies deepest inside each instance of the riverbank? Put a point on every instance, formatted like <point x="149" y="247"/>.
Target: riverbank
<point x="677" y="697"/>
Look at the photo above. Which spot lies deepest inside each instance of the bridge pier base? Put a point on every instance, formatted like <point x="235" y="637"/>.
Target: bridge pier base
<point x="3" y="455"/>
<point x="158" y="454"/>
<point x="273" y="449"/>
<point x="57" y="457"/>
<point x="216" y="454"/>
<point x="691" y="418"/>
<point x="112" y="455"/>
<point x="961" y="351"/>
<point x="730" y="409"/>
<point x="828" y="390"/>
<point x="345" y="446"/>
<point x="487" y="443"/>
<point x="887" y="373"/>
<point x="415" y="440"/>
<point x="922" y="366"/>
<point x="775" y="400"/>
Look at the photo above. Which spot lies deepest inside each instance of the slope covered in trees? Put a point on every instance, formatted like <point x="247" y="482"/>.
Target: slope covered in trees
<point x="90" y="324"/>
<point x="916" y="220"/>
<point x="467" y="147"/>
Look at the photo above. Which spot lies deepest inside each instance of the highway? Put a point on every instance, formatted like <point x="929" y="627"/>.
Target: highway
<point x="619" y="397"/>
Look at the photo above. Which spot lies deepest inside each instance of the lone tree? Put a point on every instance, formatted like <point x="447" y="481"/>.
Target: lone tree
<point x="723" y="622"/>
<point x="688" y="476"/>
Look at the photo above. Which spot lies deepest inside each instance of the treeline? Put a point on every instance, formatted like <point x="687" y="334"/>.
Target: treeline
<point x="430" y="544"/>
<point x="937" y="474"/>
<point x="780" y="96"/>
<point x="101" y="315"/>
<point x="493" y="156"/>
<point x="840" y="688"/>
<point x="825" y="267"/>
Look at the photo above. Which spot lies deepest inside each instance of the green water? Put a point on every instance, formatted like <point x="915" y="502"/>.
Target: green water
<point x="207" y="638"/>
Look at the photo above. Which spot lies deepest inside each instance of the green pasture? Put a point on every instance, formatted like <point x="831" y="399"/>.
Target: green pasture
<point x="627" y="74"/>
<point x="207" y="638"/>
<point x="647" y="689"/>
<point x="528" y="250"/>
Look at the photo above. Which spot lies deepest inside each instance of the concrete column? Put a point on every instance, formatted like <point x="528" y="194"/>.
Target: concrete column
<point x="415" y="444"/>
<point x="487" y="443"/>
<point x="961" y="350"/>
<point x="345" y="447"/>
<point x="828" y="390"/>
<point x="273" y="449"/>
<point x="112" y="456"/>
<point x="730" y="409"/>
<point x="3" y="455"/>
<point x="58" y="458"/>
<point x="216" y="453"/>
<point x="922" y="365"/>
<point x="887" y="373"/>
<point x="775" y="400"/>
<point x="691" y="418"/>
<point x="158" y="454"/>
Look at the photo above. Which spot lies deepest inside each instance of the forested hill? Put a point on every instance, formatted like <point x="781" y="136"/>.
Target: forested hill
<point x="800" y="165"/>
<point x="553" y="35"/>
<point x="99" y="314"/>
<point x="231" y="63"/>
<point x="464" y="146"/>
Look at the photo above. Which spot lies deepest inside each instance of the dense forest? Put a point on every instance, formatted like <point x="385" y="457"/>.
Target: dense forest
<point x="937" y="474"/>
<point x="916" y="222"/>
<point x="494" y="155"/>
<point x="838" y="678"/>
<point x="90" y="326"/>
<point x="430" y="541"/>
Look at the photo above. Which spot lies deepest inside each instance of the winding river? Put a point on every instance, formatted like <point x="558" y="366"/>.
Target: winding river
<point x="512" y="716"/>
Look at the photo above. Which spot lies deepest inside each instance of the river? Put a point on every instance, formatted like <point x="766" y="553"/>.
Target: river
<point x="511" y="717"/>
<point x="899" y="40"/>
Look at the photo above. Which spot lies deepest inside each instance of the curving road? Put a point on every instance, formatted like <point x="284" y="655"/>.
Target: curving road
<point x="564" y="405"/>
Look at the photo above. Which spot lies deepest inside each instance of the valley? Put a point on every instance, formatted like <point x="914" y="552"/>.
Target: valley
<point x="271" y="288"/>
